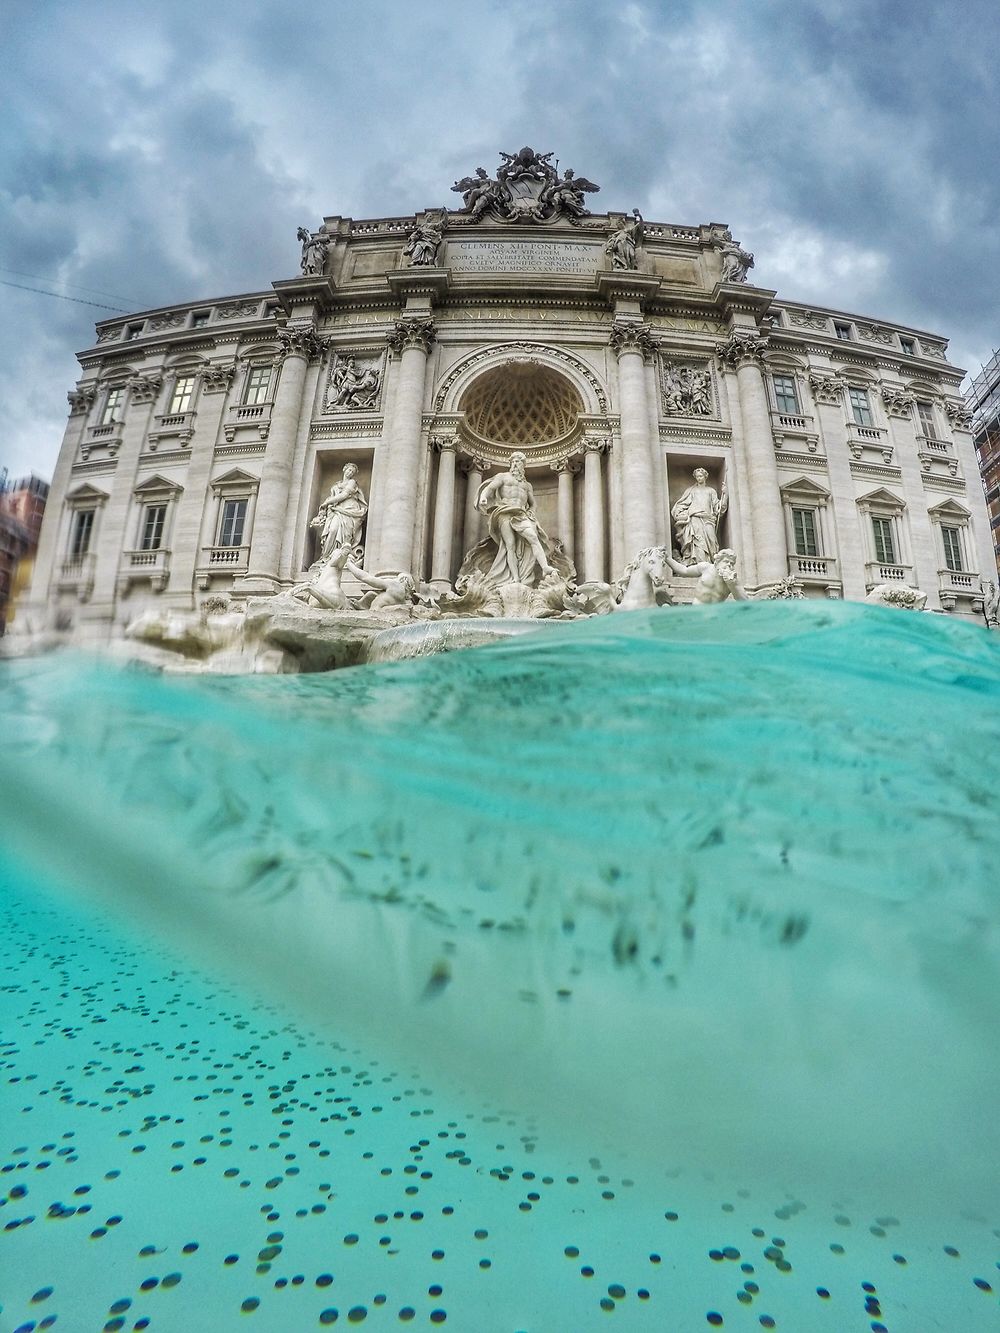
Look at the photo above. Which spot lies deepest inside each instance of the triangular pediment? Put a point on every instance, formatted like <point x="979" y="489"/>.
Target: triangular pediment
<point x="85" y="493"/>
<point x="950" y="509"/>
<point x="236" y="477"/>
<point x="882" y="497"/>
<point x="803" y="488"/>
<point x="157" y="485"/>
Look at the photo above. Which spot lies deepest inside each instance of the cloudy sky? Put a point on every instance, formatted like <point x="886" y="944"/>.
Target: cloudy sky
<point x="159" y="152"/>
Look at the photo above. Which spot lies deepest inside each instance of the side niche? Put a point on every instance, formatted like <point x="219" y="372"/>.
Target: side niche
<point x="354" y="382"/>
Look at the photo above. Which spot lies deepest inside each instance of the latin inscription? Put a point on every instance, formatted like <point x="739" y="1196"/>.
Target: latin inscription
<point x="522" y="257"/>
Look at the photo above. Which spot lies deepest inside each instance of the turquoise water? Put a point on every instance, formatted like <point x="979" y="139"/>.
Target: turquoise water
<point x="664" y="945"/>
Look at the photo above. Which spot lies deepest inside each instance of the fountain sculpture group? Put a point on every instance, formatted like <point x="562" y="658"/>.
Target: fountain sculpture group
<point x="514" y="578"/>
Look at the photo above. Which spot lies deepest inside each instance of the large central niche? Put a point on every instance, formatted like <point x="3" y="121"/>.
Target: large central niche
<point x="521" y="404"/>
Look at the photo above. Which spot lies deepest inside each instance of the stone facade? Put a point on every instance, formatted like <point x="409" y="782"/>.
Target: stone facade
<point x="618" y="355"/>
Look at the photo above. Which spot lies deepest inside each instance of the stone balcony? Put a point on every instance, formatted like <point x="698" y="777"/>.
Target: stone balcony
<point x="217" y="561"/>
<point x="863" y="439"/>
<point x="954" y="584"/>
<point x="77" y="572"/>
<point x="171" y="424"/>
<point x="815" y="569"/>
<point x="106" y="438"/>
<point x="256" y="416"/>
<point x="140" y="565"/>
<point x="876" y="572"/>
<point x="937" y="455"/>
<point x="789" y="428"/>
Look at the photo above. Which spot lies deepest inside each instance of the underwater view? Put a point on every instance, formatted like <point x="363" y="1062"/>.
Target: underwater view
<point x="641" y="969"/>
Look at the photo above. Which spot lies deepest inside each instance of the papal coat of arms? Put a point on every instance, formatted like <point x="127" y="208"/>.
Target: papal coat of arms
<point x="526" y="188"/>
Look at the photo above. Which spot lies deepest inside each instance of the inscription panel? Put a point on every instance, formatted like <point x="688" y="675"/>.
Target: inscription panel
<point x="523" y="257"/>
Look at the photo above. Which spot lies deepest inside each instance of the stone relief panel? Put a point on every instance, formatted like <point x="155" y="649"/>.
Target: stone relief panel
<point x="808" y="319"/>
<point x="874" y="333"/>
<point x="174" y="320"/>
<point x="237" y="310"/>
<point x="687" y="389"/>
<point x="354" y="382"/>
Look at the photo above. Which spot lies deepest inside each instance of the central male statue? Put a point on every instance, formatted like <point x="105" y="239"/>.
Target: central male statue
<point x="509" y="502"/>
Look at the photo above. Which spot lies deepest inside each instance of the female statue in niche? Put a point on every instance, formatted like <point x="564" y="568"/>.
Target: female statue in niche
<point x="696" y="519"/>
<point x="341" y="514"/>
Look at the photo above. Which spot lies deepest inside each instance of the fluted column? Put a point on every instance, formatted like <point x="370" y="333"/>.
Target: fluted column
<point x="444" y="510"/>
<point x="565" y="469"/>
<point x="298" y="346"/>
<point x="472" y="527"/>
<point x="593" y="512"/>
<point x="632" y="343"/>
<point x="412" y="339"/>
<point x="744" y="352"/>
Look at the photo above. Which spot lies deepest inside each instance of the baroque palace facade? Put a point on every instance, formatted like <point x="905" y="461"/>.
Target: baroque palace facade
<point x="617" y="355"/>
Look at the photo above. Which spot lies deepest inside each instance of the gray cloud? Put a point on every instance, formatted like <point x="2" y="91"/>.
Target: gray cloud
<point x="163" y="153"/>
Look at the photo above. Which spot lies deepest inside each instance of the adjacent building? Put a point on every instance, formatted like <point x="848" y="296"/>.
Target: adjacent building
<point x="983" y="403"/>
<point x="22" y="504"/>
<point x="618" y="355"/>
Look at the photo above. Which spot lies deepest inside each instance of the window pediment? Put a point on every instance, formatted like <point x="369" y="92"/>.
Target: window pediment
<point x="157" y="486"/>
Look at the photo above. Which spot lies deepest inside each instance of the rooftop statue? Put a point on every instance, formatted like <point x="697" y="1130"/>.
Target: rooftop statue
<point x="314" y="250"/>
<point x="424" y="242"/>
<point x="527" y="188"/>
<point x="736" y="262"/>
<point x="621" y="244"/>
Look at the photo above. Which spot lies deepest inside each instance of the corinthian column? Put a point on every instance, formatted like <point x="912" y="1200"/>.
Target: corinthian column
<point x="444" y="510"/>
<point x="565" y="469"/>
<point x="593" y="512"/>
<point x="412" y="339"/>
<point x="744" y="353"/>
<point x="298" y="346"/>
<point x="632" y="343"/>
<point x="472" y="528"/>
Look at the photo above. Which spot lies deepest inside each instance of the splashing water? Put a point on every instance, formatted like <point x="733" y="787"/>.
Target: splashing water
<point x="707" y="895"/>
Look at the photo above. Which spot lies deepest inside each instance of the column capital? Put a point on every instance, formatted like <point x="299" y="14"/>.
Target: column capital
<point x="441" y="444"/>
<point x="568" y="464"/>
<point x="472" y="464"/>
<point x="82" y="399"/>
<point x="299" y="340"/>
<point x="598" y="444"/>
<point x="741" y="349"/>
<point x="632" y="336"/>
<point x="412" y="331"/>
<point x="827" y="388"/>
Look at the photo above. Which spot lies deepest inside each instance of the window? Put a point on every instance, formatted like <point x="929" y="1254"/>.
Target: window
<point x="804" y="527"/>
<point x="785" y="394"/>
<point x="234" y="514"/>
<point x="153" y="517"/>
<point x="258" y="385"/>
<point x="952" y="539"/>
<point x="199" y="319"/>
<point x="132" y="332"/>
<point x="908" y="346"/>
<point x="111" y="405"/>
<point x="843" y="331"/>
<point x="860" y="407"/>
<point x="885" y="545"/>
<point x="925" y="415"/>
<point x="180" y="400"/>
<point x="83" y="526"/>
